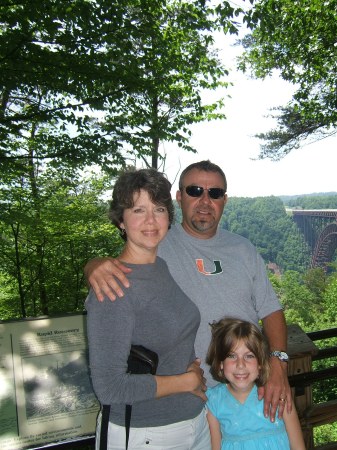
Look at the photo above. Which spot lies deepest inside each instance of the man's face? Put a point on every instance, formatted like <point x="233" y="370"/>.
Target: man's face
<point x="201" y="215"/>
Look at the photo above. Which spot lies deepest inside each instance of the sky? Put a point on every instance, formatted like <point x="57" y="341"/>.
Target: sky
<point x="231" y="144"/>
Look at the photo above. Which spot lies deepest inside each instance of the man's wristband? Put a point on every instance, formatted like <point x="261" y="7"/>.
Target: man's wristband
<point x="281" y="355"/>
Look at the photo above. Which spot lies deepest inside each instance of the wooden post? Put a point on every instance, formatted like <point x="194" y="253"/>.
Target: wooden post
<point x="301" y="350"/>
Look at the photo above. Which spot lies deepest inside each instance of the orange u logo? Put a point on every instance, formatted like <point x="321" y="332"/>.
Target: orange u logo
<point x="201" y="267"/>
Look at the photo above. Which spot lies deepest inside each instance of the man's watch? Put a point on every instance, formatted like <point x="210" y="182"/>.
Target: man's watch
<point x="282" y="356"/>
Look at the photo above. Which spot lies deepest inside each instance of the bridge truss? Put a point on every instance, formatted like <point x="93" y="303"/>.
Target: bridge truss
<point x="319" y="228"/>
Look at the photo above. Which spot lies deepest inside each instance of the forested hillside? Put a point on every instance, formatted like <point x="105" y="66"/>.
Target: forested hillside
<point x="264" y="221"/>
<point x="328" y="201"/>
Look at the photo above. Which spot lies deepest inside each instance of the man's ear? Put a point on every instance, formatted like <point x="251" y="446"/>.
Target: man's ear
<point x="178" y="198"/>
<point x="225" y="199"/>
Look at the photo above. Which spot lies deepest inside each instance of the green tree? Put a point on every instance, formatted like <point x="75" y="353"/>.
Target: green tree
<point x="53" y="72"/>
<point x="125" y="75"/>
<point x="330" y="301"/>
<point x="300" y="304"/>
<point x="297" y="38"/>
<point x="316" y="281"/>
<point x="175" y="64"/>
<point x="44" y="250"/>
<point x="326" y="390"/>
<point x="90" y="83"/>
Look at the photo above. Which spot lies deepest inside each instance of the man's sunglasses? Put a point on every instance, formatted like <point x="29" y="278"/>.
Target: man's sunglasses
<point x="197" y="191"/>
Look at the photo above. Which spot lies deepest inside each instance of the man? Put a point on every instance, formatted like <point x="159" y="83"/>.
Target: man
<point x="220" y="271"/>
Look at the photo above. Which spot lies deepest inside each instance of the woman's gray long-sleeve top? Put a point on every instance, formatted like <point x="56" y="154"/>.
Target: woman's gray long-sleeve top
<point x="154" y="313"/>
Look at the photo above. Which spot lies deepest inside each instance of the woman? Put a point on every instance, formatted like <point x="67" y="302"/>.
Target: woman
<point x="168" y="408"/>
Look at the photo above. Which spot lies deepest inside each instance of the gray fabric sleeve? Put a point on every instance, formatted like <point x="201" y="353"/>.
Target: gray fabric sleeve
<point x="110" y="326"/>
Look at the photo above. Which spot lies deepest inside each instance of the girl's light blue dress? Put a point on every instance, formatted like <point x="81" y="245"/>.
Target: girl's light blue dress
<point x="243" y="426"/>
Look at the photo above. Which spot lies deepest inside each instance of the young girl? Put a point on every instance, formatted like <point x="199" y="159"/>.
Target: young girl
<point x="239" y="358"/>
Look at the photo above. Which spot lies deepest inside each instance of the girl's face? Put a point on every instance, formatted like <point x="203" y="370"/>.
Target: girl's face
<point x="241" y="369"/>
<point x="146" y="224"/>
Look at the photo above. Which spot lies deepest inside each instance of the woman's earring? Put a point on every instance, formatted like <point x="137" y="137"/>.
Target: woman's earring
<point x="122" y="231"/>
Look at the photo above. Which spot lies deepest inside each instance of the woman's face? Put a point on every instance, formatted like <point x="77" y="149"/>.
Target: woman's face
<point x="146" y="224"/>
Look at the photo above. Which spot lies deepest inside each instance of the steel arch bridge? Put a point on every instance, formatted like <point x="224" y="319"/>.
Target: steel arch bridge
<point x="319" y="228"/>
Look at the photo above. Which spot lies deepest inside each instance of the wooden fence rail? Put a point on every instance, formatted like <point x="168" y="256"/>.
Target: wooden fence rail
<point x="303" y="352"/>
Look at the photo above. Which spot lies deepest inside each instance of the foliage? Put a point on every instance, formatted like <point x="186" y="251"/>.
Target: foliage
<point x="325" y="433"/>
<point x="172" y="48"/>
<point x="89" y="81"/>
<point x="325" y="390"/>
<point x="44" y="249"/>
<point x="315" y="280"/>
<point x="8" y="295"/>
<point x="330" y="300"/>
<point x="177" y="212"/>
<point x="310" y="300"/>
<point x="297" y="38"/>
<point x="51" y="71"/>
<point x="263" y="220"/>
<point x="314" y="202"/>
<point x="301" y="305"/>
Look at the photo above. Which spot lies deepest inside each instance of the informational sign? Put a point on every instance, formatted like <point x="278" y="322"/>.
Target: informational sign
<point x="45" y="389"/>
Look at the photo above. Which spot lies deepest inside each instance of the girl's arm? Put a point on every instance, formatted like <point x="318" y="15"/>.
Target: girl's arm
<point x="214" y="427"/>
<point x="293" y="428"/>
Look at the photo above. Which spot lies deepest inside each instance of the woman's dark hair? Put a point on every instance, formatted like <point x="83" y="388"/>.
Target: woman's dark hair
<point x="128" y="183"/>
<point x="225" y="336"/>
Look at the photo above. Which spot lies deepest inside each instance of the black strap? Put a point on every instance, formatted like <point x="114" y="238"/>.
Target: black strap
<point x="103" y="442"/>
<point x="128" y="409"/>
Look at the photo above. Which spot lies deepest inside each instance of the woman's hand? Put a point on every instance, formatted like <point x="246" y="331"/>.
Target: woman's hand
<point x="191" y="381"/>
<point x="197" y="379"/>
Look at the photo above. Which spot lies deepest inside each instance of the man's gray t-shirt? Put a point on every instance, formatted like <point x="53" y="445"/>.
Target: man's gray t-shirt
<point x="223" y="276"/>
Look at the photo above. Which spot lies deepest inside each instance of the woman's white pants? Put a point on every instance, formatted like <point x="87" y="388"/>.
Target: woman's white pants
<point x="190" y="434"/>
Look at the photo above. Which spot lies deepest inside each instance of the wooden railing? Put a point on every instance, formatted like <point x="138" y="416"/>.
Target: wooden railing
<point x="303" y="352"/>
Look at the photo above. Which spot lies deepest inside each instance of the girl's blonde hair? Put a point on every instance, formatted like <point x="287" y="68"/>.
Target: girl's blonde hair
<point x="226" y="333"/>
